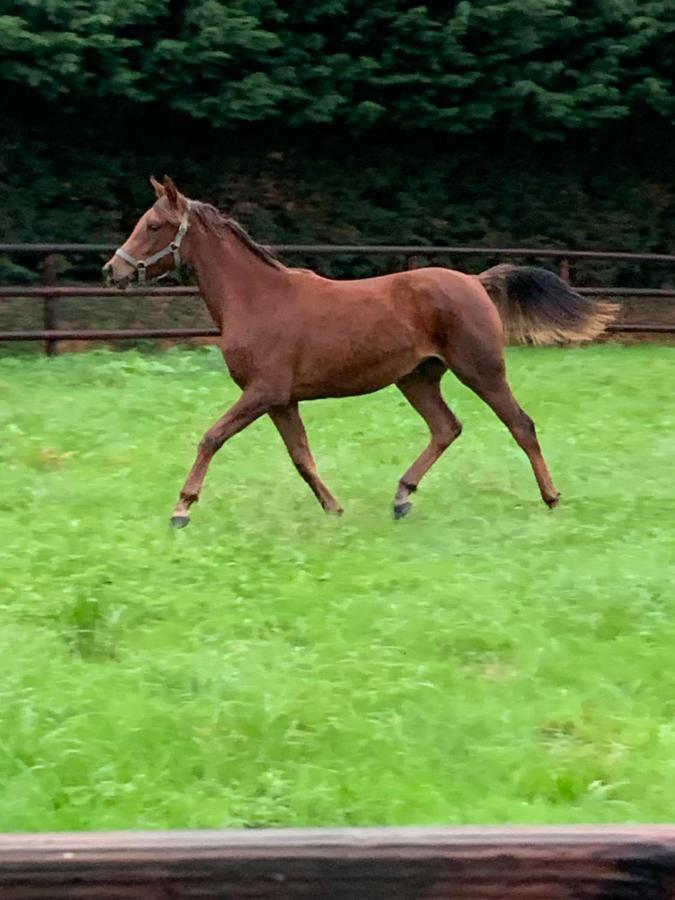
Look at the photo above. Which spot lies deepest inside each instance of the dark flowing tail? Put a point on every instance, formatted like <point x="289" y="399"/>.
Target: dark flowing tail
<point x="537" y="307"/>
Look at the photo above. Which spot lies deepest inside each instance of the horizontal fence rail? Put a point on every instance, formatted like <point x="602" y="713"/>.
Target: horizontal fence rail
<point x="603" y="863"/>
<point x="16" y="293"/>
<point x="110" y="334"/>
<point x="384" y="250"/>
<point x="50" y="293"/>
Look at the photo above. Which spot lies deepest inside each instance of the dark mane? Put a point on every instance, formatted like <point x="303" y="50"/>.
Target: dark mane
<point x="214" y="220"/>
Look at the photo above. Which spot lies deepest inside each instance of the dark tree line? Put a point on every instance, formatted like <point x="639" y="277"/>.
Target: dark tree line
<point x="346" y="121"/>
<point x="533" y="66"/>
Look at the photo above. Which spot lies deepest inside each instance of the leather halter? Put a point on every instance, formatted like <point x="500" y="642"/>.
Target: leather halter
<point x="140" y="265"/>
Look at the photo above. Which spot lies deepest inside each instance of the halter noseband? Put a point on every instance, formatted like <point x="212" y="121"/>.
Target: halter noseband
<point x="140" y="265"/>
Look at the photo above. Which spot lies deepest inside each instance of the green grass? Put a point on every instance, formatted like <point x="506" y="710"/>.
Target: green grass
<point x="483" y="661"/>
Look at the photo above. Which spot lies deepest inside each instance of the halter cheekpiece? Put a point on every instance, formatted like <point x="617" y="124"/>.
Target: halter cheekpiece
<point x="140" y="265"/>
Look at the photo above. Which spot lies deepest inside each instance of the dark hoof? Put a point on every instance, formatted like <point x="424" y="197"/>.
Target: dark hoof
<point x="180" y="521"/>
<point x="552" y="503"/>
<point x="402" y="509"/>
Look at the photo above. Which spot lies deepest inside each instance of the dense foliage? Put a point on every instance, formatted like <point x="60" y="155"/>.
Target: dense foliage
<point x="343" y="121"/>
<point x="534" y="65"/>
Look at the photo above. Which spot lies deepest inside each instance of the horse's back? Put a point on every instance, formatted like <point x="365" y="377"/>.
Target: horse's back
<point x="430" y="300"/>
<point x="356" y="336"/>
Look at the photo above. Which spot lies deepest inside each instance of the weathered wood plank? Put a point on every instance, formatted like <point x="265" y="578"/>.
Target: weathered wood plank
<point x="631" y="863"/>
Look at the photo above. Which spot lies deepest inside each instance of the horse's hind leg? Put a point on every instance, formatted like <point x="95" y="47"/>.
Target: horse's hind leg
<point x="483" y="371"/>
<point x="289" y="425"/>
<point x="423" y="392"/>
<point x="522" y="428"/>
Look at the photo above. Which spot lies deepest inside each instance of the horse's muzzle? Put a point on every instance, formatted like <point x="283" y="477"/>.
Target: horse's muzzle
<point x="113" y="280"/>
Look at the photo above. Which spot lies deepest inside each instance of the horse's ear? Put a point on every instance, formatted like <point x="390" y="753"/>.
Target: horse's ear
<point x="159" y="190"/>
<point x="171" y="191"/>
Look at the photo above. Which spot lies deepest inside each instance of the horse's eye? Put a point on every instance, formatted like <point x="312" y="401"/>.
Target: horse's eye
<point x="153" y="226"/>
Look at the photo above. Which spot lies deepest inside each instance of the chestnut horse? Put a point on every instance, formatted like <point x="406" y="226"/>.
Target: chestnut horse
<point x="289" y="335"/>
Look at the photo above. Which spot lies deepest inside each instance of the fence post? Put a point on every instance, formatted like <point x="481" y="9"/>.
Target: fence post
<point x="411" y="262"/>
<point x="565" y="270"/>
<point x="49" y="313"/>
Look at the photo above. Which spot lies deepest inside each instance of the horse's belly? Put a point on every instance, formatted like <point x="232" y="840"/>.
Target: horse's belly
<point x="352" y="374"/>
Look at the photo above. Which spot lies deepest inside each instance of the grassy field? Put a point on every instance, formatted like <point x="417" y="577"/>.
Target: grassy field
<point x="483" y="661"/>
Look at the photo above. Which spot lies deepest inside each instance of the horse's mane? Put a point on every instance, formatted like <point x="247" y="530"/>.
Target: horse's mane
<point x="212" y="219"/>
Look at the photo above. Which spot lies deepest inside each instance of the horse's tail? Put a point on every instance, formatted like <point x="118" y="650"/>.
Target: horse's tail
<point x="537" y="307"/>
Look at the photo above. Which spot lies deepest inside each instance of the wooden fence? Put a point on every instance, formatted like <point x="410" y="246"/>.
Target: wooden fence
<point x="601" y="863"/>
<point x="409" y="255"/>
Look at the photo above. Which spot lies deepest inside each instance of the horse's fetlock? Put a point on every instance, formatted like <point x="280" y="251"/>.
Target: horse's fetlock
<point x="407" y="486"/>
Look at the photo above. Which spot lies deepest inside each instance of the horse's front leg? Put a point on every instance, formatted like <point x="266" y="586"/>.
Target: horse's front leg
<point x="290" y="427"/>
<point x="252" y="404"/>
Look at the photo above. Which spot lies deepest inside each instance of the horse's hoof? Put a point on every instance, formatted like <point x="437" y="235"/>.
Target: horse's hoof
<point x="401" y="509"/>
<point x="180" y="521"/>
<point x="553" y="502"/>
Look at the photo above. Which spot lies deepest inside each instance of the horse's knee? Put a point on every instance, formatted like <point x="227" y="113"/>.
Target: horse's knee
<point x="210" y="444"/>
<point x="527" y="424"/>
<point x="303" y="469"/>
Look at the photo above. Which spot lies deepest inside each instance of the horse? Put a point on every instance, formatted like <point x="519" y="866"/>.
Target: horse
<point x="290" y="335"/>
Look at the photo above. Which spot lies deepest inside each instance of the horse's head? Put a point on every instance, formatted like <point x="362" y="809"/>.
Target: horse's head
<point x="153" y="247"/>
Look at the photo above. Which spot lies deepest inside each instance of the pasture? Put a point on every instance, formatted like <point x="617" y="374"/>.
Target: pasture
<point x="483" y="661"/>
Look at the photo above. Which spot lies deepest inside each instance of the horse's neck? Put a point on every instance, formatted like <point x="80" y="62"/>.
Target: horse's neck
<point x="232" y="280"/>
